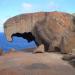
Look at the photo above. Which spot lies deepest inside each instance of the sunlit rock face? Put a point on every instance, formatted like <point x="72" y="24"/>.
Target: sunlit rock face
<point x="39" y="49"/>
<point x="53" y="29"/>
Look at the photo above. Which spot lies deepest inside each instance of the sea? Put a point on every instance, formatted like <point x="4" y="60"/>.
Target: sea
<point x="18" y="43"/>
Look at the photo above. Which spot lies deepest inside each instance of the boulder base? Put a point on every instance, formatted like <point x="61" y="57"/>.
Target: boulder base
<point x="68" y="57"/>
<point x="72" y="62"/>
<point x="39" y="49"/>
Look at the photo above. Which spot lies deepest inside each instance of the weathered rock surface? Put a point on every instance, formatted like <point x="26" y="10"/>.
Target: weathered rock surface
<point x="53" y="29"/>
<point x="72" y="62"/>
<point x="22" y="63"/>
<point x="73" y="51"/>
<point x="70" y="58"/>
<point x="39" y="49"/>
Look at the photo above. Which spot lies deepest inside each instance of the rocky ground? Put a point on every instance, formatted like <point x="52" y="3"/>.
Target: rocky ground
<point x="28" y="63"/>
<point x="70" y="58"/>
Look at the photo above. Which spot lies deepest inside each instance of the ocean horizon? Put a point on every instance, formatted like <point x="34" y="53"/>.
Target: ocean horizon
<point x="18" y="43"/>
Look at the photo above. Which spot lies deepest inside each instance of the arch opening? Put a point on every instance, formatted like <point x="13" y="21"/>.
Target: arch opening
<point x="26" y="35"/>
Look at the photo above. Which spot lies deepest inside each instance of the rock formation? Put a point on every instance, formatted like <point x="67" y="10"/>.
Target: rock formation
<point x="70" y="58"/>
<point x="72" y="62"/>
<point x="53" y="29"/>
<point x="39" y="49"/>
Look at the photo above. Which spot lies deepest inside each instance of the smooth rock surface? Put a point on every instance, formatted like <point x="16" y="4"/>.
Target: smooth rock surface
<point x="21" y="63"/>
<point x="68" y="57"/>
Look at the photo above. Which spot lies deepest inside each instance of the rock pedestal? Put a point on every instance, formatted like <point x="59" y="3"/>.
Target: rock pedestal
<point x="39" y="49"/>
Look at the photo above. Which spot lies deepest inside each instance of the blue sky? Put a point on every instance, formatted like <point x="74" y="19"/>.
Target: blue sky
<point x="9" y="8"/>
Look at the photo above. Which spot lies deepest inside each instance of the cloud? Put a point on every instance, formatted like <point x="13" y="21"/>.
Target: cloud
<point x="53" y="5"/>
<point x="26" y="5"/>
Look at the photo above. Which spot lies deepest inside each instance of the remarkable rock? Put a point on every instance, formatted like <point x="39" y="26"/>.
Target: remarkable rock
<point x="53" y="29"/>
